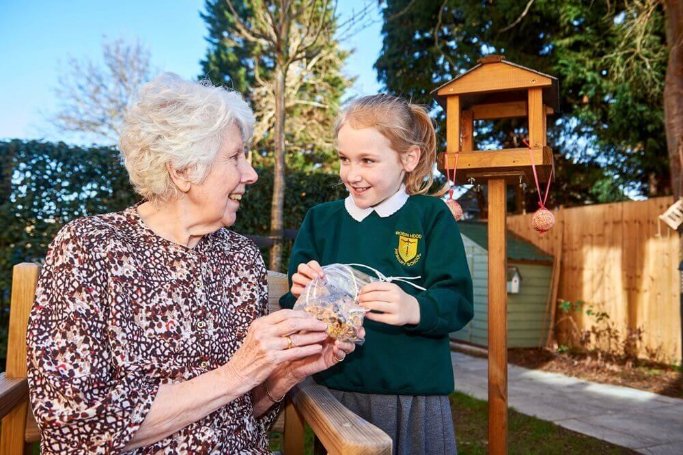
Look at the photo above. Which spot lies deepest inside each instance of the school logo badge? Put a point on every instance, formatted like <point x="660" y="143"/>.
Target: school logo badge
<point x="407" y="250"/>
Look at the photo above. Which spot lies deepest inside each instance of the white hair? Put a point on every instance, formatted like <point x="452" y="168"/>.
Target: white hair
<point x="178" y="123"/>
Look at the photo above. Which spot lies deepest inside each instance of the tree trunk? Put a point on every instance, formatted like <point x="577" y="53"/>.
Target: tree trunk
<point x="673" y="107"/>
<point x="673" y="92"/>
<point x="279" y="173"/>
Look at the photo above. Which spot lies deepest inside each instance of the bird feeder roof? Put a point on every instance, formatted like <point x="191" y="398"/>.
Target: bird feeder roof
<point x="495" y="80"/>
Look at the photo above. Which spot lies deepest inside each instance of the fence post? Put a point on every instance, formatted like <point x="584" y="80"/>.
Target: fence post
<point x="24" y="280"/>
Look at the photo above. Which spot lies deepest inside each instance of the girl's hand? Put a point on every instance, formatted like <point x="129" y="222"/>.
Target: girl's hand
<point x="305" y="273"/>
<point x="393" y="305"/>
<point x="275" y="340"/>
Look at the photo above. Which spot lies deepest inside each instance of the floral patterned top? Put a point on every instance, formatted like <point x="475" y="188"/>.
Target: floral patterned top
<point x="119" y="311"/>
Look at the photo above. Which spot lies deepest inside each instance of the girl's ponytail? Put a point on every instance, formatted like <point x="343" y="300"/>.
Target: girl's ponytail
<point x="420" y="179"/>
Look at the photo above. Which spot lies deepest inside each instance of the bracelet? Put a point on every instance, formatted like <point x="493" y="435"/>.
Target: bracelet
<point x="270" y="396"/>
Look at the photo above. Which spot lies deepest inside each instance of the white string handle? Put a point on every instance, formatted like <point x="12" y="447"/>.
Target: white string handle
<point x="353" y="277"/>
<point x="389" y="279"/>
<point x="308" y="293"/>
<point x="349" y="270"/>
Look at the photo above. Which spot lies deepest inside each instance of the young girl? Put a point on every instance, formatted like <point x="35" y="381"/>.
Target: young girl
<point x="400" y="378"/>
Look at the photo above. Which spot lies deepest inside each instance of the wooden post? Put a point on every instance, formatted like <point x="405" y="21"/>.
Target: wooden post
<point x="294" y="431"/>
<point x="536" y="117"/>
<point x="480" y="94"/>
<point x="467" y="131"/>
<point x="498" y="378"/>
<point x="24" y="280"/>
<point x="453" y="124"/>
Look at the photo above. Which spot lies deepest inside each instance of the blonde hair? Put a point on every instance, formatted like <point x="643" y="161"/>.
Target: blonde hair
<point x="404" y="124"/>
<point x="178" y="123"/>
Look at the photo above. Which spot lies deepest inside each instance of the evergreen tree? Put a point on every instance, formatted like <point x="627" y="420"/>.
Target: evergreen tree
<point x="610" y="119"/>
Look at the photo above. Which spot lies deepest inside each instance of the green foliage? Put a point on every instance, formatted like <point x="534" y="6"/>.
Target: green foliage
<point x="604" y="339"/>
<point x="526" y="434"/>
<point x="303" y="191"/>
<point x="612" y="118"/>
<point x="568" y="306"/>
<point x="46" y="185"/>
<point x="225" y="61"/>
<point x="581" y="183"/>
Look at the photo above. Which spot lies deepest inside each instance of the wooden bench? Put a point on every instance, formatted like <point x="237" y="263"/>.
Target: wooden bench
<point x="336" y="428"/>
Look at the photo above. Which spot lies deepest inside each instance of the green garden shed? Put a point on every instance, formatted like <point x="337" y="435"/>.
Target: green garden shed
<point x="529" y="268"/>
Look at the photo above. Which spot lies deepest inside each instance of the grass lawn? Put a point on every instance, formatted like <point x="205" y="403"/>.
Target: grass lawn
<point x="526" y="434"/>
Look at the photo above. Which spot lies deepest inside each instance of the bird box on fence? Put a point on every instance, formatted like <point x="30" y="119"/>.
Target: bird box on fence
<point x="497" y="89"/>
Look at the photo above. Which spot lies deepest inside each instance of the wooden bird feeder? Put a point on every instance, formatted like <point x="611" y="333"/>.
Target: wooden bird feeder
<point x="497" y="89"/>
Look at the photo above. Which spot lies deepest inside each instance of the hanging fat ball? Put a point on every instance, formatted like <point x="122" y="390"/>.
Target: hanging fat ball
<point x="455" y="208"/>
<point x="543" y="220"/>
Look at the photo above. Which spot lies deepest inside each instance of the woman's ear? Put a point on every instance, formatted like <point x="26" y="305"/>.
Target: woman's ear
<point x="179" y="178"/>
<point x="411" y="158"/>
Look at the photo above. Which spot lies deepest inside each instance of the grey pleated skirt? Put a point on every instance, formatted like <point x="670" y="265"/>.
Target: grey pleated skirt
<point x="418" y="425"/>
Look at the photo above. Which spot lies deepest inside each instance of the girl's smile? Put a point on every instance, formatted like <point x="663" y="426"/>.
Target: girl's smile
<point x="369" y="168"/>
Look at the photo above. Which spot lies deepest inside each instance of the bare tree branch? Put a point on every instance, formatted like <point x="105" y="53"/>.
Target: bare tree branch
<point x="356" y="22"/>
<point x="324" y="23"/>
<point x="244" y="31"/>
<point x="638" y="53"/>
<point x="93" y="96"/>
<point x="519" y="19"/>
<point x="402" y="12"/>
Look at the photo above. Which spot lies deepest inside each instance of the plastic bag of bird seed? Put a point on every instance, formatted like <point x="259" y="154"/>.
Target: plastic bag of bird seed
<point x="334" y="300"/>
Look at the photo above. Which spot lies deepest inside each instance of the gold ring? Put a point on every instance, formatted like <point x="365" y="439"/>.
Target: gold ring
<point x="290" y="343"/>
<point x="337" y="359"/>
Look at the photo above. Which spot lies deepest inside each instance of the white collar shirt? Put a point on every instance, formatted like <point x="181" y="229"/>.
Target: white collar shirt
<point x="386" y="208"/>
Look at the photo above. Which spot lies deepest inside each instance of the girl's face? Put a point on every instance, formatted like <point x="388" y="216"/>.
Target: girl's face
<point x="369" y="168"/>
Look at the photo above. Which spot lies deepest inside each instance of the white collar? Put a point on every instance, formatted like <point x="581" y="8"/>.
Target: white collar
<point x="386" y="208"/>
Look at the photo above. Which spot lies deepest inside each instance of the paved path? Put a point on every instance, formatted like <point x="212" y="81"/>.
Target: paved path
<point x="642" y="421"/>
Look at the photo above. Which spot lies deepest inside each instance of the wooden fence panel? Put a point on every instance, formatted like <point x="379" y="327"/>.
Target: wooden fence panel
<point x="620" y="259"/>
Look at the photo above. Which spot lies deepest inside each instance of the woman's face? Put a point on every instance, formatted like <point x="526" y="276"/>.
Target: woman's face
<point x="220" y="193"/>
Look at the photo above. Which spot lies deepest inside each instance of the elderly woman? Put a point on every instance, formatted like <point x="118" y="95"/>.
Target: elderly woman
<point x="150" y="330"/>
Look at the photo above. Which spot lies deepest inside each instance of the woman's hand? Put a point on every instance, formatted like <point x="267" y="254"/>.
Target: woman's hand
<point x="389" y="304"/>
<point x="276" y="339"/>
<point x="333" y="352"/>
<point x="305" y="273"/>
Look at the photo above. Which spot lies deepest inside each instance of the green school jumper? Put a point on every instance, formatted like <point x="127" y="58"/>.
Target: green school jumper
<point x="420" y="239"/>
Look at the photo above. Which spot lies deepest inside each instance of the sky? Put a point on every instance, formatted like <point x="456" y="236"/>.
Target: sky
<point x="37" y="37"/>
